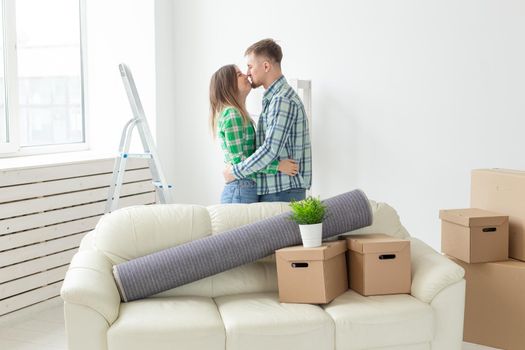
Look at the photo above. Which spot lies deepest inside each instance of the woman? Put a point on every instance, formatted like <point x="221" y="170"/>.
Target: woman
<point x="231" y="123"/>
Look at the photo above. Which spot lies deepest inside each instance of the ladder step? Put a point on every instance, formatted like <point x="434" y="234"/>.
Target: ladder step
<point x="136" y="155"/>
<point x="159" y="184"/>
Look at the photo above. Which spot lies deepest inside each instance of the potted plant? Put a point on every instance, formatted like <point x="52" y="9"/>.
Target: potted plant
<point x="309" y="214"/>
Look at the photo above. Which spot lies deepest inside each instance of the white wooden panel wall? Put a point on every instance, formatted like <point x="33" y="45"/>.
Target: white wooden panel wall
<point x="45" y="212"/>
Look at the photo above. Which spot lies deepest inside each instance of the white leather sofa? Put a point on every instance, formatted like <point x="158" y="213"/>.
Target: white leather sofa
<point x="239" y="309"/>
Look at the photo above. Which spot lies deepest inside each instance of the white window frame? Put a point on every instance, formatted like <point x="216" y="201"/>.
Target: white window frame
<point x="12" y="148"/>
<point x="11" y="91"/>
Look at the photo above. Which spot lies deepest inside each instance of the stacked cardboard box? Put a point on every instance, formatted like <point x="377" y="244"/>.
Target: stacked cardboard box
<point x="474" y="235"/>
<point x="503" y="191"/>
<point x="495" y="303"/>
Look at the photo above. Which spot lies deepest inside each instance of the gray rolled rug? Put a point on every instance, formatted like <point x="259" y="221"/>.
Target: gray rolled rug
<point x="185" y="263"/>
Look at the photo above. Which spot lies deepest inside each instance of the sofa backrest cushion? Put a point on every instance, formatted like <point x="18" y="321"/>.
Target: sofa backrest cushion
<point x="257" y="277"/>
<point x="225" y="217"/>
<point x="132" y="232"/>
<point x="385" y="221"/>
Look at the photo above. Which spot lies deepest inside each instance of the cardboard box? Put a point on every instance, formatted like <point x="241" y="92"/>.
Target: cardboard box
<point x="312" y="275"/>
<point x="474" y="235"/>
<point x="379" y="264"/>
<point x="495" y="304"/>
<point x="503" y="191"/>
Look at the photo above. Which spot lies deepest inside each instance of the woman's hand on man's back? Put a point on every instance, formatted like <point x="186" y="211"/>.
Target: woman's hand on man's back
<point x="289" y="167"/>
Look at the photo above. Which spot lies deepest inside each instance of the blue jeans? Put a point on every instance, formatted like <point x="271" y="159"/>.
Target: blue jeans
<point x="297" y="194"/>
<point x="240" y="191"/>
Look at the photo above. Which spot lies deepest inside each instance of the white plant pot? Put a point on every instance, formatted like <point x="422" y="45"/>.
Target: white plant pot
<point x="311" y="235"/>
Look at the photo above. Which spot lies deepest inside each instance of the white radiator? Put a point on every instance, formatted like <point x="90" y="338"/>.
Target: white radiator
<point x="44" y="213"/>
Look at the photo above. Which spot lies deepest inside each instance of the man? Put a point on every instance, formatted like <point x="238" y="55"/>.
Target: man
<point x="282" y="130"/>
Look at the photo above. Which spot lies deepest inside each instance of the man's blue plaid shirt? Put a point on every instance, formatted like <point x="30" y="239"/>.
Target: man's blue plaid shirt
<point x="282" y="132"/>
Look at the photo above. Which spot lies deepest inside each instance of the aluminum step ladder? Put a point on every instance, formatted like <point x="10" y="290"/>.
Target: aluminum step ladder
<point x="162" y="188"/>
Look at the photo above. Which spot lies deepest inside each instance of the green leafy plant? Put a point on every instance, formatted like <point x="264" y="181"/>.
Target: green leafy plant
<point x="308" y="211"/>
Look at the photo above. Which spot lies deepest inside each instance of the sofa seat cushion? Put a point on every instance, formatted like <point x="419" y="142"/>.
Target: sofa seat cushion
<point x="380" y="321"/>
<point x="167" y="323"/>
<point x="258" y="321"/>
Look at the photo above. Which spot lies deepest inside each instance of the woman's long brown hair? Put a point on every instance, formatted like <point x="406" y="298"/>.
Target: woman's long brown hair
<point x="224" y="92"/>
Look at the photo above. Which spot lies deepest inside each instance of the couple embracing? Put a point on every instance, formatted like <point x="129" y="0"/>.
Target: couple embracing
<point x="273" y="164"/>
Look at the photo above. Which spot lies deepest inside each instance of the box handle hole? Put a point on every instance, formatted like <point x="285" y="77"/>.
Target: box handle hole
<point x="299" y="265"/>
<point x="489" y="229"/>
<point x="387" y="256"/>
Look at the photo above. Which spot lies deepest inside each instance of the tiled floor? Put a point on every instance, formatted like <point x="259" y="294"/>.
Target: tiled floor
<point x="42" y="328"/>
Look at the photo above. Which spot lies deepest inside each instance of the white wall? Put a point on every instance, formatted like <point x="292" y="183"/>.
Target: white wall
<point x="408" y="95"/>
<point x="118" y="31"/>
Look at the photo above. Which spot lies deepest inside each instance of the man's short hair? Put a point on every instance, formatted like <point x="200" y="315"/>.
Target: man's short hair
<point x="268" y="48"/>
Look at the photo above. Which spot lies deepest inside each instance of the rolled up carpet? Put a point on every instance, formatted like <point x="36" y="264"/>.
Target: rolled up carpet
<point x="185" y="263"/>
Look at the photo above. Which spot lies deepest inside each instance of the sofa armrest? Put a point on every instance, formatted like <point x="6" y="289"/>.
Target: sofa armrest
<point x="431" y="271"/>
<point x="89" y="282"/>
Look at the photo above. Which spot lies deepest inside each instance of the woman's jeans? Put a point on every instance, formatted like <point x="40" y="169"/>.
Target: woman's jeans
<point x="240" y="191"/>
<point x="296" y="194"/>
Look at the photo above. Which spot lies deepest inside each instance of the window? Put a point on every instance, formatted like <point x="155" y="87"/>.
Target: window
<point x="43" y="89"/>
<point x="4" y="122"/>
